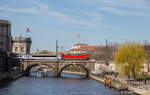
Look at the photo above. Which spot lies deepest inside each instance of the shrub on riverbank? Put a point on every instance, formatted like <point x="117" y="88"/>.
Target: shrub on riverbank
<point x="140" y="78"/>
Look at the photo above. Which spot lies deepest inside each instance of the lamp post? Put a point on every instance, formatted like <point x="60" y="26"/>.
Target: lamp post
<point x="106" y="55"/>
<point x="57" y="65"/>
<point x="20" y="53"/>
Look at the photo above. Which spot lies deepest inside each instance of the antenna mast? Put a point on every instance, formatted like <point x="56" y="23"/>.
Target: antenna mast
<point x="78" y="35"/>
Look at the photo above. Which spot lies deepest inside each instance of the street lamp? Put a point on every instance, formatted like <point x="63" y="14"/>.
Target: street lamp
<point x="57" y="65"/>
<point x="106" y="55"/>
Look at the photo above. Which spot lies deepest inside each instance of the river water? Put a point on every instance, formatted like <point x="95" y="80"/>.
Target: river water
<point x="68" y="85"/>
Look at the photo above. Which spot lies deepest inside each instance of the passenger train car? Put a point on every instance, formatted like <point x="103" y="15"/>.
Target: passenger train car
<point x="52" y="57"/>
<point x="44" y="56"/>
<point x="36" y="56"/>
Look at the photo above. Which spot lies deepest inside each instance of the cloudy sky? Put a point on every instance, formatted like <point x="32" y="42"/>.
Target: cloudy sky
<point x="94" y="20"/>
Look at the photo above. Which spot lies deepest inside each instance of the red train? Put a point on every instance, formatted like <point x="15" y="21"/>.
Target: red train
<point x="74" y="56"/>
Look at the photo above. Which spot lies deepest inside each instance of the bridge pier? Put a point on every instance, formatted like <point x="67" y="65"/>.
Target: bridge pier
<point x="56" y="74"/>
<point x="26" y="73"/>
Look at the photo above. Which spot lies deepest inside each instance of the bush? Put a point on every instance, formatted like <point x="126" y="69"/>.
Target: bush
<point x="148" y="77"/>
<point x="140" y="78"/>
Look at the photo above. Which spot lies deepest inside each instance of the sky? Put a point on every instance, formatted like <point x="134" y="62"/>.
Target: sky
<point x="62" y="20"/>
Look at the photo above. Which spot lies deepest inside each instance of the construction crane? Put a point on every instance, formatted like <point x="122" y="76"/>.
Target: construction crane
<point x="78" y="35"/>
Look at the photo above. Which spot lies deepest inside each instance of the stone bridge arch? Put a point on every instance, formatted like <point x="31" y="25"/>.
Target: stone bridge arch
<point x="74" y="64"/>
<point x="29" y="67"/>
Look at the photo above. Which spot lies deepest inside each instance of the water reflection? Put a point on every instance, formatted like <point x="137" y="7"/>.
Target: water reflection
<point x="50" y="74"/>
<point x="72" y="85"/>
<point x="64" y="75"/>
<point x="40" y="74"/>
<point x="56" y="86"/>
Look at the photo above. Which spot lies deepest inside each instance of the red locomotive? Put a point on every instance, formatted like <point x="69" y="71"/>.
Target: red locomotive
<point x="74" y="56"/>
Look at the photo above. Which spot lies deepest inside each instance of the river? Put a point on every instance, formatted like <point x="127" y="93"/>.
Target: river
<point x="68" y="85"/>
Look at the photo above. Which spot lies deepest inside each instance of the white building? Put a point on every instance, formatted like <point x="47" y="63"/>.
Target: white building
<point x="100" y="67"/>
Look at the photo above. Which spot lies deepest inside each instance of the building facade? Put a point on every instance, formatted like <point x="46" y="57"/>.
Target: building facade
<point x="5" y="44"/>
<point x="21" y="45"/>
<point x="5" y="36"/>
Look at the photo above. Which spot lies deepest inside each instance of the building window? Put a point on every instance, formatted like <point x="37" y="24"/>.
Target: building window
<point x="16" y="49"/>
<point x="22" y="49"/>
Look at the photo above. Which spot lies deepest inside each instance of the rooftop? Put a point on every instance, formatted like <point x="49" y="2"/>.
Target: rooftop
<point x="79" y="44"/>
<point x="3" y="21"/>
<point x="21" y="39"/>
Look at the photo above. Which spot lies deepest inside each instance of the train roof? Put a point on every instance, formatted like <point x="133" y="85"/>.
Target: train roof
<point x="35" y="55"/>
<point x="44" y="55"/>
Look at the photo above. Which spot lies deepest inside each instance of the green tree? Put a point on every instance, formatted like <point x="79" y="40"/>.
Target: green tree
<point x="129" y="58"/>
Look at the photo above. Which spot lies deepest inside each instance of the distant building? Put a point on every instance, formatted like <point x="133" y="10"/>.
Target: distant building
<point x="103" y="53"/>
<point x="44" y="52"/>
<point x="21" y="45"/>
<point x="82" y="48"/>
<point x="5" y="44"/>
<point x="147" y="49"/>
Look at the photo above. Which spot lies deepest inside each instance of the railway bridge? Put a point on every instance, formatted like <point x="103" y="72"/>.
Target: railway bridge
<point x="56" y="66"/>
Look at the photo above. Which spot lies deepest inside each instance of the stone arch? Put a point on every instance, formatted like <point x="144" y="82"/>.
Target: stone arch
<point x="68" y="65"/>
<point x="27" y="70"/>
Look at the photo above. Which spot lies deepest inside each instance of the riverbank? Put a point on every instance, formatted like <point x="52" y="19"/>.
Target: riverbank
<point x="117" y="83"/>
<point x="11" y="75"/>
<point x="122" y="85"/>
<point x="77" y="73"/>
<point x="3" y="75"/>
